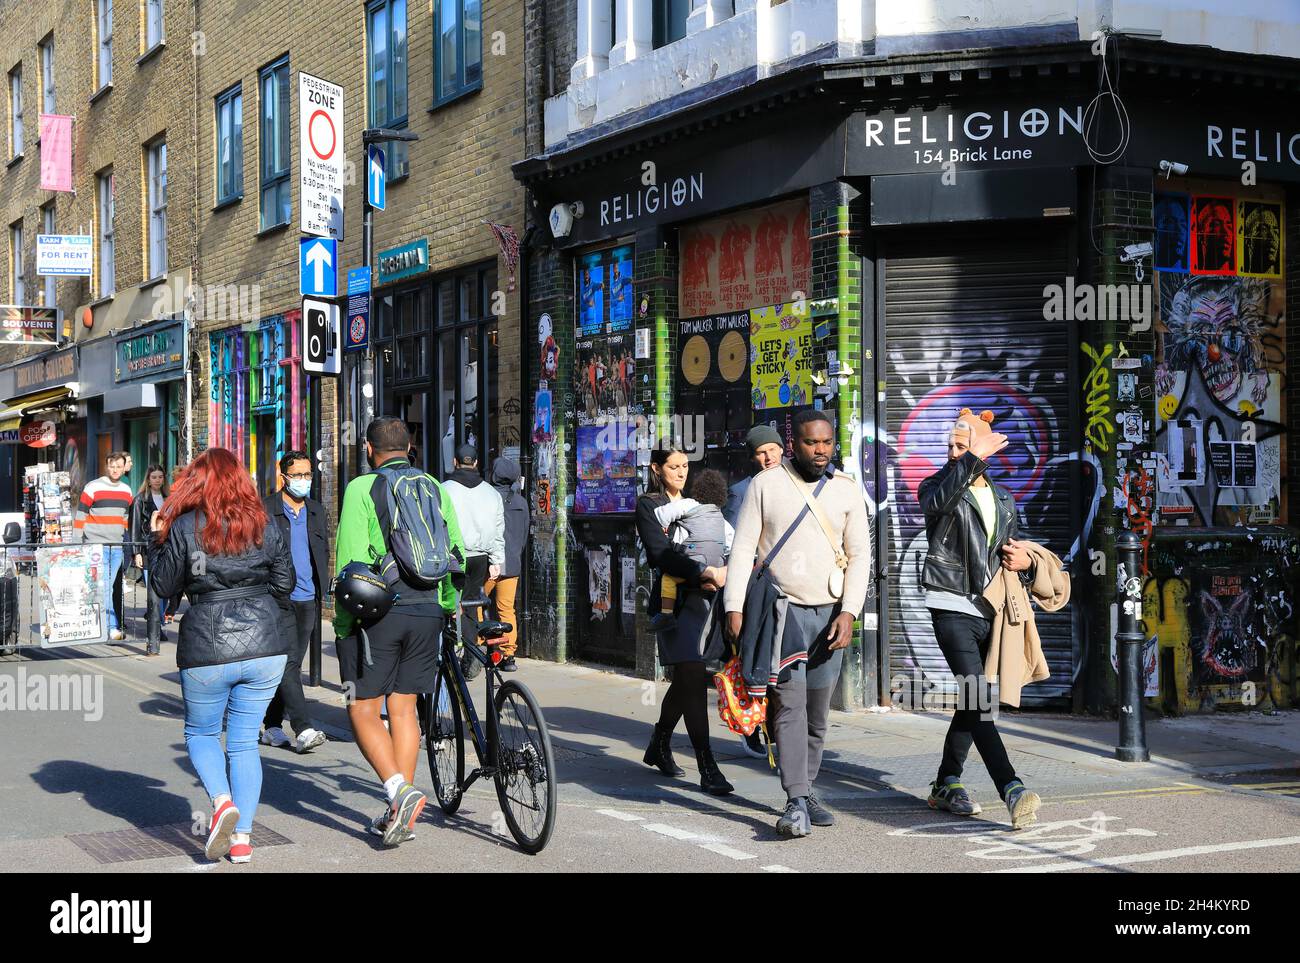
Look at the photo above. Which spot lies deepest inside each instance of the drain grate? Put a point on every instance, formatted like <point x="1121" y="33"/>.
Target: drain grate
<point x="157" y="842"/>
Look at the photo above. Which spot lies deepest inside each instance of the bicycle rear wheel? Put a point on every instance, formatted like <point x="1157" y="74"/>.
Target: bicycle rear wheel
<point x="525" y="775"/>
<point x="445" y="741"/>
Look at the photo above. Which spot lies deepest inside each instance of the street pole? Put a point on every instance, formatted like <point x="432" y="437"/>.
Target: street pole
<point x="368" y="366"/>
<point x="1128" y="640"/>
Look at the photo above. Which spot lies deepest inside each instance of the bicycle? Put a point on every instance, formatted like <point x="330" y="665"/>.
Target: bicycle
<point x="515" y="750"/>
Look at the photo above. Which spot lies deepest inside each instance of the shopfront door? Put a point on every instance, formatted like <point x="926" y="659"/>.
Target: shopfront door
<point x="964" y="327"/>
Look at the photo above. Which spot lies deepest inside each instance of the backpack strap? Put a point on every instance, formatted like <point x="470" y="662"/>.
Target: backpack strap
<point x="789" y="531"/>
<point x="819" y="513"/>
<point x="381" y="495"/>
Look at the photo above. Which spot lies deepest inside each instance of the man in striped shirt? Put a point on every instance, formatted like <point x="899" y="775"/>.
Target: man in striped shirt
<point x="102" y="517"/>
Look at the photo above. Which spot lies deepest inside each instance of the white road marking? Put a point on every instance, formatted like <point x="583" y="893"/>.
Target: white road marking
<point x="616" y="814"/>
<point x="1157" y="855"/>
<point x="778" y="868"/>
<point x="663" y="829"/>
<point x="724" y="850"/>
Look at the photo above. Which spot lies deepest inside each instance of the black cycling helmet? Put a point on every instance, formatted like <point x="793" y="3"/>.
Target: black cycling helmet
<point x="362" y="592"/>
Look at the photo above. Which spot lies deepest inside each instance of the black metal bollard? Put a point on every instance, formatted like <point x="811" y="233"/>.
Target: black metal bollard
<point x="1128" y="639"/>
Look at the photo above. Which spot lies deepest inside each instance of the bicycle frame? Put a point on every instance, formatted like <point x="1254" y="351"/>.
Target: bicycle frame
<point x="485" y="746"/>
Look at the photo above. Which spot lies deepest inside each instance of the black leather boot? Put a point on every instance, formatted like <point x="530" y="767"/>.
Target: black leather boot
<point x="711" y="779"/>
<point x="660" y="754"/>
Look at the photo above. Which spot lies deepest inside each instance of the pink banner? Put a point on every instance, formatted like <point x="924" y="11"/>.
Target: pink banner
<point x="56" y="152"/>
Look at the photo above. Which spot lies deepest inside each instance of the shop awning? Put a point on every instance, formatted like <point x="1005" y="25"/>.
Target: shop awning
<point x="12" y="414"/>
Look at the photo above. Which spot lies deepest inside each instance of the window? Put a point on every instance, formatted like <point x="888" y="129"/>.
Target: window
<point x="104" y="31"/>
<point x="156" y="197"/>
<point x="153" y="24"/>
<point x="47" y="75"/>
<point x="17" y="289"/>
<point x="104" y="227"/>
<point x="669" y="21"/>
<point x="230" y="145"/>
<point x="16" y="111"/>
<point x="386" y="70"/>
<point x="47" y="227"/>
<point x="457" y="48"/>
<point x="276" y="200"/>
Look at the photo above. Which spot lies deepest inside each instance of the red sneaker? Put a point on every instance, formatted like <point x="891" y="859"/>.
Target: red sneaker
<point x="221" y="829"/>
<point x="241" y="853"/>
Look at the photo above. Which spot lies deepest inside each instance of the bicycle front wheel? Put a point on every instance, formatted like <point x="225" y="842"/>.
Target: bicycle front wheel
<point x="445" y="741"/>
<point x="525" y="774"/>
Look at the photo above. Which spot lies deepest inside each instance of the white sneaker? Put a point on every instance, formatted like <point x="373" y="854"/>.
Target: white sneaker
<point x="308" y="739"/>
<point x="116" y="635"/>
<point x="274" y="736"/>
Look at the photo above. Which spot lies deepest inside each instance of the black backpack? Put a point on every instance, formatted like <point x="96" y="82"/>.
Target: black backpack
<point x="408" y="505"/>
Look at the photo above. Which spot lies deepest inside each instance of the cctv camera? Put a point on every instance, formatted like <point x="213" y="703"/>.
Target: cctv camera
<point x="1172" y="167"/>
<point x="1133" y="252"/>
<point x="562" y="216"/>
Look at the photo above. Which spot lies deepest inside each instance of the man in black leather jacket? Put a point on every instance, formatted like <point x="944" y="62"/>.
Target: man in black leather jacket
<point x="971" y="528"/>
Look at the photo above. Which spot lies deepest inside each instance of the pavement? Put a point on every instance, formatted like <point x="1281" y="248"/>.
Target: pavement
<point x="107" y="787"/>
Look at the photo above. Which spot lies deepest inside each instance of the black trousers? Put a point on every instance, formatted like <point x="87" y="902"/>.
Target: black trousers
<point x="963" y="640"/>
<point x="299" y="624"/>
<point x="476" y="573"/>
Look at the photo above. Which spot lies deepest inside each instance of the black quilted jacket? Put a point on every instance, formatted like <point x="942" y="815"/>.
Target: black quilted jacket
<point x="232" y="630"/>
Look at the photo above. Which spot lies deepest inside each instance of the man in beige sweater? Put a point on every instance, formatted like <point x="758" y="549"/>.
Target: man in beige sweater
<point x="822" y="578"/>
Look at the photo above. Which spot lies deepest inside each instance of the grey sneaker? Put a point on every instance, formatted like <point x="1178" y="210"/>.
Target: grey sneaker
<point x="379" y="826"/>
<point x="406" y="809"/>
<point x="1022" y="804"/>
<point x="952" y="796"/>
<point x="818" y="814"/>
<point x="794" y="822"/>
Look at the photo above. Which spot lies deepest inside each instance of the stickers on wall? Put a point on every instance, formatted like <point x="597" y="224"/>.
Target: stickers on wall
<point x="598" y="581"/>
<point x="629" y="585"/>
<point x="780" y="347"/>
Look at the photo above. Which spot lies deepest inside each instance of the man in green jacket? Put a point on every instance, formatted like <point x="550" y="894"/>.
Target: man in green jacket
<point x="404" y="644"/>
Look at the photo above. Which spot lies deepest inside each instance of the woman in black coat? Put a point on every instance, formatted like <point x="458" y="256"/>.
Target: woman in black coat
<point x="680" y="648"/>
<point x="148" y="499"/>
<point x="213" y="541"/>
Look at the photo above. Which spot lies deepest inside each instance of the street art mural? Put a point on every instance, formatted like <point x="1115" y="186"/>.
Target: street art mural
<point x="1220" y="369"/>
<point x="1017" y="374"/>
<point x="1224" y="606"/>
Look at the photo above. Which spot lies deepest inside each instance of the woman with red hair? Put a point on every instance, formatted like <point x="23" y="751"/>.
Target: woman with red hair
<point x="214" y="542"/>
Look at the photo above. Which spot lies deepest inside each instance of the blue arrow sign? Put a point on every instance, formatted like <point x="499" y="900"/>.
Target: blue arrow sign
<point x="376" y="186"/>
<point x="318" y="267"/>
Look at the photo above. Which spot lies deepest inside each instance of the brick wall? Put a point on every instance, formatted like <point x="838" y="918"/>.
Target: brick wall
<point x="148" y="99"/>
<point x="459" y="169"/>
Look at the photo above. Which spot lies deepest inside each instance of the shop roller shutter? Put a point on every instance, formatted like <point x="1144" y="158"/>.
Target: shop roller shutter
<point x="965" y="328"/>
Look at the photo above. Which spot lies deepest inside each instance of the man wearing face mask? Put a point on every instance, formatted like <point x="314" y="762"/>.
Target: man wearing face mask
<point x="302" y="523"/>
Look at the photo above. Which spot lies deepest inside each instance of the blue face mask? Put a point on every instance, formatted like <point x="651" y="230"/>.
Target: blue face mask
<point x="299" y="487"/>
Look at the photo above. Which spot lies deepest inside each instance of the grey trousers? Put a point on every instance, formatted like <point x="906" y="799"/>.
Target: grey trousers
<point x="799" y="730"/>
<point x="799" y="706"/>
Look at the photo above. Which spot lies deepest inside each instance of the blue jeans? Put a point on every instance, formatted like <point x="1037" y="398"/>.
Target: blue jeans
<point x="112" y="563"/>
<point x="245" y="689"/>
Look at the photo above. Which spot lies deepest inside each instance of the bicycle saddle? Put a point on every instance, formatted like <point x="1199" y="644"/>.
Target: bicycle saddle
<point x="493" y="630"/>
